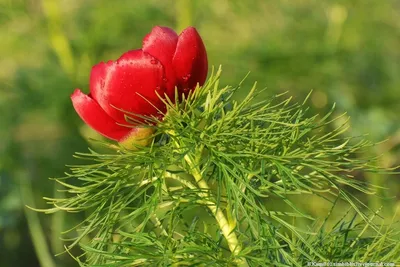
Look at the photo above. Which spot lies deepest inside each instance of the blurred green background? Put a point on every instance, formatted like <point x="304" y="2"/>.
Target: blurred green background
<point x="347" y="51"/>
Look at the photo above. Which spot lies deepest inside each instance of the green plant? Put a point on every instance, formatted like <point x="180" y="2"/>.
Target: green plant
<point x="216" y="188"/>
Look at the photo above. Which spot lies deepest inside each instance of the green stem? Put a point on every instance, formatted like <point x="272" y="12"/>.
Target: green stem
<point x="226" y="228"/>
<point x="35" y="229"/>
<point x="58" y="39"/>
<point x="57" y="222"/>
<point x="183" y="14"/>
<point x="157" y="223"/>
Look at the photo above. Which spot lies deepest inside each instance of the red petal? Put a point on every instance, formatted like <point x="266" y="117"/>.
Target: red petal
<point x="95" y="117"/>
<point x="161" y="44"/>
<point x="190" y="60"/>
<point x="129" y="84"/>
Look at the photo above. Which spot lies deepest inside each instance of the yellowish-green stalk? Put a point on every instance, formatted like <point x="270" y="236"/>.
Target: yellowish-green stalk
<point x="226" y="228"/>
<point x="183" y="14"/>
<point x="58" y="39"/>
<point x="36" y="231"/>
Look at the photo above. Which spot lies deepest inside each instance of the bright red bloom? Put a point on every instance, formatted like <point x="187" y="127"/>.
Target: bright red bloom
<point x="133" y="83"/>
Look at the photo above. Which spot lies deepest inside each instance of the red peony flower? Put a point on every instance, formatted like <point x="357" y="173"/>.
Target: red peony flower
<point x="133" y="83"/>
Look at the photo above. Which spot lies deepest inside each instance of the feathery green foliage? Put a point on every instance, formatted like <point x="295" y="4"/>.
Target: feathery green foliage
<point x="216" y="188"/>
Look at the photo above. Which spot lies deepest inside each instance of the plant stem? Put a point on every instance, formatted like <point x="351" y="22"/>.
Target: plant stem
<point x="35" y="229"/>
<point x="58" y="39"/>
<point x="183" y="14"/>
<point x="226" y="229"/>
<point x="57" y="222"/>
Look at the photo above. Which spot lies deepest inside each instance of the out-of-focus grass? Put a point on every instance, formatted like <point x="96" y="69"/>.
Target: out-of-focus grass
<point x="346" y="51"/>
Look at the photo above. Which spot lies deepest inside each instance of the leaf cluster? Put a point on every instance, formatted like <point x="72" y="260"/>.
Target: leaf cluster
<point x="157" y="206"/>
